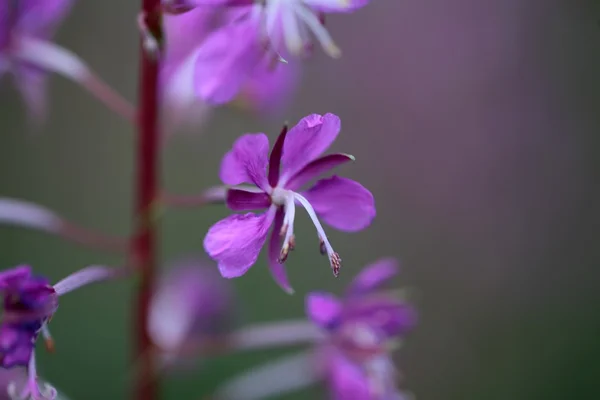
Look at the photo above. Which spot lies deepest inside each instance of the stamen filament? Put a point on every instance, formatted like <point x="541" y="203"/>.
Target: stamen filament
<point x="288" y="227"/>
<point x="334" y="258"/>
<point x="321" y="33"/>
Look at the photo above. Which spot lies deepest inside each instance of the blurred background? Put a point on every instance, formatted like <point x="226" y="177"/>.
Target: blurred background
<point x="475" y="124"/>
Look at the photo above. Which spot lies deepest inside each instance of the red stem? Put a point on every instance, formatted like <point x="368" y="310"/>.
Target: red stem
<point x="143" y="252"/>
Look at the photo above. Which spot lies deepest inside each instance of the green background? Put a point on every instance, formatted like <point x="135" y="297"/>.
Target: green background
<point x="475" y="125"/>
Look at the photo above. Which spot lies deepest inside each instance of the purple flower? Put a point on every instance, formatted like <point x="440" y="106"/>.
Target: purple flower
<point x="269" y="88"/>
<point x="191" y="303"/>
<point x="235" y="242"/>
<point x="360" y="328"/>
<point x="241" y="54"/>
<point x="25" y="28"/>
<point x="351" y="342"/>
<point x="29" y="304"/>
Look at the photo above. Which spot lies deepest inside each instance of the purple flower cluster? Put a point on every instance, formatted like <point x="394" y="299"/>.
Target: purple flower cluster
<point x="29" y="304"/>
<point x="199" y="54"/>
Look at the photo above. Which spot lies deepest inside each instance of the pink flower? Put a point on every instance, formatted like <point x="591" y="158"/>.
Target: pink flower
<point x="277" y="180"/>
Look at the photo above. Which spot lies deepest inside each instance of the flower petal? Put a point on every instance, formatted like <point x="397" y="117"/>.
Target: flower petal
<point x="270" y="87"/>
<point x="13" y="275"/>
<point x="346" y="379"/>
<point x="235" y="241"/>
<point x="247" y="161"/>
<point x="323" y="309"/>
<point x="40" y="18"/>
<point x="342" y="203"/>
<point x="315" y="168"/>
<point x="307" y="141"/>
<point x="373" y="276"/>
<point x="390" y="316"/>
<point x="336" y="6"/>
<point x="242" y="200"/>
<point x="31" y="83"/>
<point x="225" y="61"/>
<point x="277" y="268"/>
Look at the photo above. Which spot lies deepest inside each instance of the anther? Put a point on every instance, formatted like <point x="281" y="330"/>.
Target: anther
<point x="50" y="346"/>
<point x="292" y="242"/>
<point x="336" y="263"/>
<point x="322" y="247"/>
<point x="283" y="254"/>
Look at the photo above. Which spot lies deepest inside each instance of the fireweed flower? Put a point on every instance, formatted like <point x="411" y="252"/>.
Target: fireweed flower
<point x="235" y="242"/>
<point x="361" y="329"/>
<point x="254" y="37"/>
<point x="191" y="303"/>
<point x="269" y="88"/>
<point x="25" y="28"/>
<point x="353" y="351"/>
<point x="29" y="304"/>
<point x="26" y="50"/>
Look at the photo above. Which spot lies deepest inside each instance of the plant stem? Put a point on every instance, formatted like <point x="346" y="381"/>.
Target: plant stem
<point x="143" y="246"/>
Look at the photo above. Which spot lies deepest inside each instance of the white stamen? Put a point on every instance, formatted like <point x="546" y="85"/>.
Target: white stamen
<point x="334" y="258"/>
<point x="319" y="30"/>
<point x="288" y="224"/>
<point x="291" y="31"/>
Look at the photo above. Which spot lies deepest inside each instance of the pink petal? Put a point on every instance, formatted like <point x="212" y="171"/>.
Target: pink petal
<point x="225" y="61"/>
<point x="270" y="87"/>
<point x="373" y="276"/>
<point x="236" y="241"/>
<point x="323" y="308"/>
<point x="9" y="276"/>
<point x="247" y="161"/>
<point x="347" y="381"/>
<point x="316" y="168"/>
<point x="387" y="315"/>
<point x="277" y="268"/>
<point x="31" y="83"/>
<point x="40" y="18"/>
<point x="342" y="203"/>
<point x="242" y="200"/>
<point x="307" y="141"/>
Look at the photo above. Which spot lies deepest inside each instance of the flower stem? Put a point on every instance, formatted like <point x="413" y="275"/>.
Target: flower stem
<point x="143" y="246"/>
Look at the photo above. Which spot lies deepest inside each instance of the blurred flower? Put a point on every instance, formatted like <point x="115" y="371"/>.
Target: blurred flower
<point x="351" y="352"/>
<point x="243" y="53"/>
<point x="191" y="303"/>
<point x="26" y="50"/>
<point x="269" y="88"/>
<point x="25" y="28"/>
<point x="183" y="34"/>
<point x="236" y="241"/>
<point x="29" y="304"/>
<point x="361" y="328"/>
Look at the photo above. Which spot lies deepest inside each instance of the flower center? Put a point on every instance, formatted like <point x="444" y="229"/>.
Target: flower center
<point x="280" y="196"/>
<point x="360" y="341"/>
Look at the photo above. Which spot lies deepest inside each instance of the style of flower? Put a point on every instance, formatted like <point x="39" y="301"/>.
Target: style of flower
<point x="235" y="242"/>
<point x="191" y="303"/>
<point x="29" y="304"/>
<point x="361" y="328"/>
